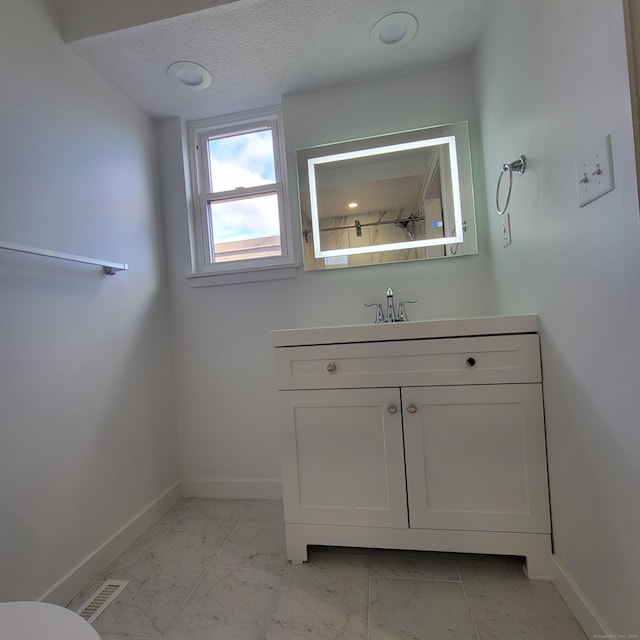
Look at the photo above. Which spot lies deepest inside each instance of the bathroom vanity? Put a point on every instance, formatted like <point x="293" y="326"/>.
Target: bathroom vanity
<point x="415" y="435"/>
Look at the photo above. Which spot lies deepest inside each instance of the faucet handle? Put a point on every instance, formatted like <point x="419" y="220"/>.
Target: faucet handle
<point x="379" y="312"/>
<point x="402" y="314"/>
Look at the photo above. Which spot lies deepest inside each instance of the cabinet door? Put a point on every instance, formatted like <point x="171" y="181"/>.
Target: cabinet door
<point x="476" y="458"/>
<point x="342" y="457"/>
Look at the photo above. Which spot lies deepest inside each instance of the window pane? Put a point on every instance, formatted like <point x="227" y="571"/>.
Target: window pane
<point x="242" y="160"/>
<point x="245" y="228"/>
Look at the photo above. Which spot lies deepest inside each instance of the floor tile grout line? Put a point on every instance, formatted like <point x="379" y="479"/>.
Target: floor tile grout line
<point x="169" y="529"/>
<point x="177" y="521"/>
<point x="201" y="576"/>
<point x="369" y="597"/>
<point x="276" y="598"/>
<point x="215" y="557"/>
<point x="283" y="578"/>
<point x="466" y="598"/>
<point x="377" y="575"/>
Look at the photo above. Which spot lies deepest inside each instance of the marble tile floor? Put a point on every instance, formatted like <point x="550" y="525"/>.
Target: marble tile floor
<point x="217" y="569"/>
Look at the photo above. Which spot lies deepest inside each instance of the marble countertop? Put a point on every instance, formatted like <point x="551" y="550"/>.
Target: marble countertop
<point x="415" y="330"/>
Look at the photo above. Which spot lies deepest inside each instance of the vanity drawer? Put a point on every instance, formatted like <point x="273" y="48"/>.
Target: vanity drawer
<point x="500" y="359"/>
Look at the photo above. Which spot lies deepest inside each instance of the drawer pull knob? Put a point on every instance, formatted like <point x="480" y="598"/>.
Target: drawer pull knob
<point x="412" y="408"/>
<point x="331" y="367"/>
<point x="392" y="409"/>
<point x="471" y="362"/>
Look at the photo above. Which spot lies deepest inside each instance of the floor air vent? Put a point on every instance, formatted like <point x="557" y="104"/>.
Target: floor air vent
<point x="101" y="599"/>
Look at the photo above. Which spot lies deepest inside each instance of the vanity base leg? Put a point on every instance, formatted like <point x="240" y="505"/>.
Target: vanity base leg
<point x="539" y="565"/>
<point x="296" y="546"/>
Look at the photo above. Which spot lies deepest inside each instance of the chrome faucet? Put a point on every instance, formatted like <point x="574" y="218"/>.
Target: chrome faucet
<point x="391" y="312"/>
<point x="379" y="311"/>
<point x="392" y="316"/>
<point x="402" y="312"/>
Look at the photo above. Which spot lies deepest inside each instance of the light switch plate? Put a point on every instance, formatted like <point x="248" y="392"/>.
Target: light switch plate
<point x="506" y="230"/>
<point x="594" y="172"/>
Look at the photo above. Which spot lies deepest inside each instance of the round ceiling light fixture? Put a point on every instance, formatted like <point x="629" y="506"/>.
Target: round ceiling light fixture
<point x="394" y="31"/>
<point x="189" y="74"/>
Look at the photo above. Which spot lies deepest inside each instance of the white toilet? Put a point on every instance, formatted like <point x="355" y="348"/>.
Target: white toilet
<point x="42" y="621"/>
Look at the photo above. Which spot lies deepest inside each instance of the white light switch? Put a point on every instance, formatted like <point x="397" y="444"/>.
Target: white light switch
<point x="594" y="172"/>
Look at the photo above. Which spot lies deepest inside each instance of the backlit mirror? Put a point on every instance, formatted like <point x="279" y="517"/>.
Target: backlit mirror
<point x="390" y="198"/>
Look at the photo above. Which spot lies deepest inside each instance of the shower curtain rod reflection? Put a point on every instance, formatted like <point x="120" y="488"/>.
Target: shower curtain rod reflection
<point x="108" y="267"/>
<point x="357" y="224"/>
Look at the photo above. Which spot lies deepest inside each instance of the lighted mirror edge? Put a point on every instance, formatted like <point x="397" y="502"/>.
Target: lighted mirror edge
<point x="450" y="141"/>
<point x="331" y="253"/>
<point x="376" y="151"/>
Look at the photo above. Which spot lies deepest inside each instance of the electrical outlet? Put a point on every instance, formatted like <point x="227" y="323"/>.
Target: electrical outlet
<point x="594" y="173"/>
<point x="506" y="230"/>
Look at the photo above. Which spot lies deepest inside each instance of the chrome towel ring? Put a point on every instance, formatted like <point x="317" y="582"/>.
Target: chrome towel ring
<point x="519" y="165"/>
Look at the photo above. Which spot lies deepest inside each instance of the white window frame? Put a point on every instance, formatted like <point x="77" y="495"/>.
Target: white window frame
<point x="205" y="272"/>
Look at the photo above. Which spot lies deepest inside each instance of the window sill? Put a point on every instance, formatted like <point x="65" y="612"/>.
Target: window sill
<point x="239" y="276"/>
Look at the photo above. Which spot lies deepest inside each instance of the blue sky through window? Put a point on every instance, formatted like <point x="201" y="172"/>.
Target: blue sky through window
<point x="245" y="218"/>
<point x="241" y="161"/>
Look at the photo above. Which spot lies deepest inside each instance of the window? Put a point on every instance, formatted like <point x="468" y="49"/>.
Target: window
<point x="241" y="228"/>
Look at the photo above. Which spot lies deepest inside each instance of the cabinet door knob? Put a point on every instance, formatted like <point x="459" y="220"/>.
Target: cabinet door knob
<point x="412" y="408"/>
<point x="471" y="362"/>
<point x="392" y="409"/>
<point x="331" y="367"/>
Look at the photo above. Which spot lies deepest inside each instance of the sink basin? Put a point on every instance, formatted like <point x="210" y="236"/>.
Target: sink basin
<point x="414" y="330"/>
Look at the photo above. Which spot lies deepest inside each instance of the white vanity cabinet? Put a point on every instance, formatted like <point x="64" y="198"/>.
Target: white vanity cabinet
<point x="419" y="436"/>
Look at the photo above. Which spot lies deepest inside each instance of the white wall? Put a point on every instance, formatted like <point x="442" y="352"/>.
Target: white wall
<point x="552" y="81"/>
<point x="87" y="427"/>
<point x="229" y="439"/>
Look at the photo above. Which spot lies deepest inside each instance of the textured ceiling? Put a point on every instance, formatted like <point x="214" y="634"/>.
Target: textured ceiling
<point x="260" y="50"/>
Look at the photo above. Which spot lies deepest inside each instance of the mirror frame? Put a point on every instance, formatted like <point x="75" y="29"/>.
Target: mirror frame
<point x="456" y="138"/>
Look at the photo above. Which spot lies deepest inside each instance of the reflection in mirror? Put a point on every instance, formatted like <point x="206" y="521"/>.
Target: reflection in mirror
<point x="404" y="196"/>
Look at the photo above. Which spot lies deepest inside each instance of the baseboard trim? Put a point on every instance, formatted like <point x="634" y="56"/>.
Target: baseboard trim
<point x="255" y="488"/>
<point x="582" y="609"/>
<point x="84" y="572"/>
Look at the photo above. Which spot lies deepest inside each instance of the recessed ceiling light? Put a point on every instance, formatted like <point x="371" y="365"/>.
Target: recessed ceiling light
<point x="395" y="30"/>
<point x="352" y="205"/>
<point x="189" y="74"/>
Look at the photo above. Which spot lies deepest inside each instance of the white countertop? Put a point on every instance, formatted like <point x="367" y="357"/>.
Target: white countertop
<point x="447" y="328"/>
